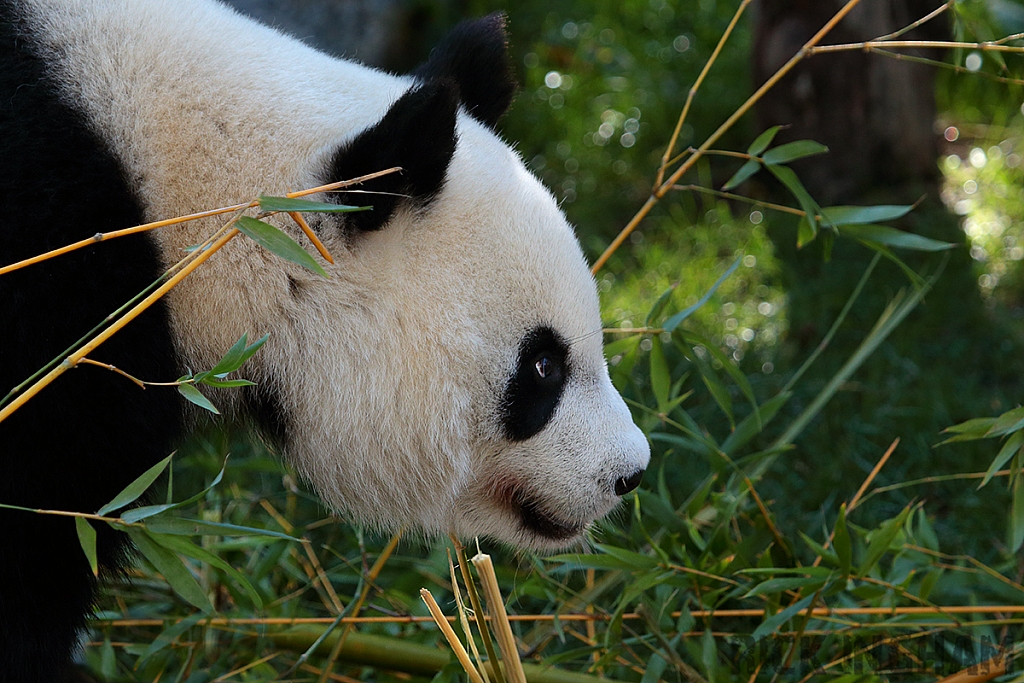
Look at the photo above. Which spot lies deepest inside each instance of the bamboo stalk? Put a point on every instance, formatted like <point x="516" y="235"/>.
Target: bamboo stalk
<point x="499" y="618"/>
<point x="449" y="634"/>
<point x="736" y="116"/>
<point x="114" y="234"/>
<point x="85" y="350"/>
<point x="867" y="45"/>
<point x="394" y="654"/>
<point x="106" y="236"/>
<point x="693" y="91"/>
<point x="368" y="583"/>
<point x="629" y="616"/>
<point x="478" y="610"/>
<point x="464" y="619"/>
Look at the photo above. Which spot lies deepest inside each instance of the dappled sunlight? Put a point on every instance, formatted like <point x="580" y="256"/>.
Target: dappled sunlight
<point x="984" y="184"/>
<point x="746" y="317"/>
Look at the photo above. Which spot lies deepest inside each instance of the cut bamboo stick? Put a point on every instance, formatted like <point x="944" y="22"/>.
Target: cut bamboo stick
<point x="449" y="634"/>
<point x="499" y="618"/>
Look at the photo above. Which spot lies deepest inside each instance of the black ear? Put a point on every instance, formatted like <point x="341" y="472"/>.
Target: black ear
<point x="418" y="134"/>
<point x="474" y="55"/>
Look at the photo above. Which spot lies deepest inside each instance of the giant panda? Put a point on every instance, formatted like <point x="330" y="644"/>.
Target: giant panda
<point x="448" y="374"/>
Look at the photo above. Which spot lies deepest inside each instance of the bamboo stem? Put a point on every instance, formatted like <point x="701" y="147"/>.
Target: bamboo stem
<point x="923" y="20"/>
<point x="736" y="116"/>
<point x="665" y="162"/>
<point x="394" y="654"/>
<point x="73" y="359"/>
<point x="868" y="45"/>
<point x="499" y="618"/>
<point x="105" y="236"/>
<point x="478" y="610"/>
<point x="629" y="616"/>
<point x="449" y="634"/>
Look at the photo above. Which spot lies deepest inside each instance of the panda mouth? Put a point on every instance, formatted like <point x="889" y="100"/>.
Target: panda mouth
<point x="534" y="518"/>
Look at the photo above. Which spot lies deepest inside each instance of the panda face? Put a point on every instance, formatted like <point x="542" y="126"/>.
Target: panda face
<point x="449" y="374"/>
<point x="471" y="348"/>
<point x="552" y="445"/>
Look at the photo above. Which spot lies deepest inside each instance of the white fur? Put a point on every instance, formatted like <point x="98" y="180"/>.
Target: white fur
<point x="392" y="369"/>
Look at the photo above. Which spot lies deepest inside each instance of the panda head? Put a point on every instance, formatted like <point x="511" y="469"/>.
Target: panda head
<point x="491" y="411"/>
<point x="449" y="374"/>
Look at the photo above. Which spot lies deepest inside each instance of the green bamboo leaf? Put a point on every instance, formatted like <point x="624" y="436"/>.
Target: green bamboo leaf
<point x="914" y="278"/>
<point x="746" y="170"/>
<point x="828" y="240"/>
<point x="661" y="380"/>
<point x="826" y="554"/>
<point x="881" y="539"/>
<point x="978" y="426"/>
<point x="232" y="359"/>
<point x="183" y="546"/>
<point x="1009" y="449"/>
<point x="805" y="234"/>
<point x="1010" y="421"/>
<point x="174" y="571"/>
<point x="135" y="489"/>
<point x="226" y="383"/>
<point x="762" y="141"/>
<point x="858" y="215"/>
<point x="108" y="660"/>
<point x="712" y="382"/>
<point x="791" y="151"/>
<point x="576" y="562"/>
<point x="656" y="666"/>
<point x="659" y="305"/>
<point x="145" y="512"/>
<point x="194" y="527"/>
<point x="892" y="237"/>
<point x="753" y="424"/>
<point x="926" y="535"/>
<point x="270" y="203"/>
<point x="276" y="242"/>
<point x="772" y="624"/>
<point x="250" y="350"/>
<point x="620" y="346"/>
<point x="779" y="585"/>
<point x="657" y="508"/>
<point x="819" y="572"/>
<point x="170" y="634"/>
<point x="673" y="322"/>
<point x="87" y="539"/>
<point x="709" y="655"/>
<point x="841" y="542"/>
<point x="633" y="560"/>
<point x="810" y="207"/>
<point x="235" y="358"/>
<point x="731" y="369"/>
<point x="190" y="392"/>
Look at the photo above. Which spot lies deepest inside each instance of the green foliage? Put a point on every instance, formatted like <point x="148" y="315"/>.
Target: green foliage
<point x="237" y="355"/>
<point x="602" y="87"/>
<point x="277" y="242"/>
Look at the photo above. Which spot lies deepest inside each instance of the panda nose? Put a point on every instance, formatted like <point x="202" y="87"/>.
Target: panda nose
<point x="624" y="485"/>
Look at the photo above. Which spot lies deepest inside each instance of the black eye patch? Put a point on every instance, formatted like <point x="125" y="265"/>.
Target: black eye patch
<point x="533" y="390"/>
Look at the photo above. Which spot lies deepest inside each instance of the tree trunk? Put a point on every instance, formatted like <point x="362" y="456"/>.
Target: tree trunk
<point x="875" y="113"/>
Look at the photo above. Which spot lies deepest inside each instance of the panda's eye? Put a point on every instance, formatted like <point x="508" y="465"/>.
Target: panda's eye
<point x="536" y="383"/>
<point x="545" y="367"/>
